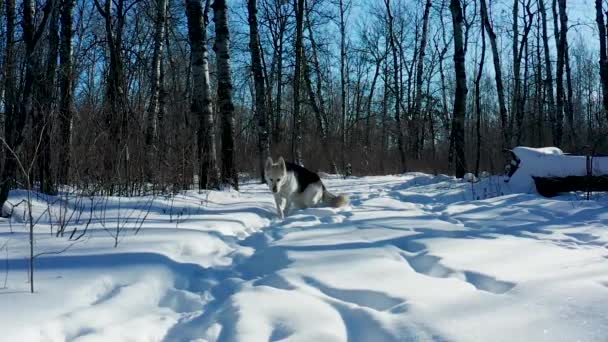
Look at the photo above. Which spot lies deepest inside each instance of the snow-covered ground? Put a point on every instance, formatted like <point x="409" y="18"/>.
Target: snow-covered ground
<point x="415" y="258"/>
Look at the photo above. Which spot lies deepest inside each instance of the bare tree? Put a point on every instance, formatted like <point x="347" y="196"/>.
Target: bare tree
<point x="498" y="71"/>
<point x="478" y="101"/>
<point x="460" y="95"/>
<point x="518" y="51"/>
<point x="296" y="141"/>
<point x="201" y="95"/>
<point x="548" y="72"/>
<point x="156" y="87"/>
<point x="396" y="86"/>
<point x="342" y="9"/>
<point x="599" y="18"/>
<point x="221" y="46"/>
<point x="560" y="38"/>
<point x="420" y="70"/>
<point x="16" y="116"/>
<point x="66" y="86"/>
<point x="260" y="91"/>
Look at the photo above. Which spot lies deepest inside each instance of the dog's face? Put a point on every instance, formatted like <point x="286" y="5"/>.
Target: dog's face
<point x="276" y="174"/>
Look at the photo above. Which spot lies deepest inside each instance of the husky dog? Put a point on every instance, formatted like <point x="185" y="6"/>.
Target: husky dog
<point x="293" y="185"/>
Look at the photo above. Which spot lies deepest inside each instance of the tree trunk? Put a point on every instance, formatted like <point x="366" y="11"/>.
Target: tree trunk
<point x="319" y="109"/>
<point x="343" y="85"/>
<point x="44" y="106"/>
<point x="506" y="138"/>
<point x="209" y="176"/>
<point x="296" y="142"/>
<point x="460" y="95"/>
<point x="519" y="98"/>
<point x="548" y="71"/>
<point x="569" y="97"/>
<point x="16" y="116"/>
<point x="260" y="91"/>
<point x="560" y="36"/>
<point x="221" y="46"/>
<point x="396" y="86"/>
<point x="516" y="67"/>
<point x="66" y="86"/>
<point x="116" y="87"/>
<point x="151" y="133"/>
<point x="478" y="103"/>
<point x="370" y="100"/>
<point x="599" y="18"/>
<point x="416" y="117"/>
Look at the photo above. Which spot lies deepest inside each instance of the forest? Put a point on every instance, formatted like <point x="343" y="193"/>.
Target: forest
<point x="129" y="97"/>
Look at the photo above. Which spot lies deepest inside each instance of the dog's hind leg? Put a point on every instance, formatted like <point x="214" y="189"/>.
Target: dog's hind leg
<point x="312" y="195"/>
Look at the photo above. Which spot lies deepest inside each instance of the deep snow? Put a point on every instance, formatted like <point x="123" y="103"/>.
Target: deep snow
<point x="415" y="258"/>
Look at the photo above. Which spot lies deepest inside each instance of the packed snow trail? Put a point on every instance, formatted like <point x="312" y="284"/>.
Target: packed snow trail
<point x="415" y="258"/>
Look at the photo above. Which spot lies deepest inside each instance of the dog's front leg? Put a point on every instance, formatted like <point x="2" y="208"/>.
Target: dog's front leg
<point x="287" y="206"/>
<point x="278" y="200"/>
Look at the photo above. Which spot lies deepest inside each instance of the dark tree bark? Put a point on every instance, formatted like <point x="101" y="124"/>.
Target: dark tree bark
<point x="548" y="68"/>
<point x="260" y="90"/>
<point x="396" y="86"/>
<point x="209" y="176"/>
<point x="599" y="18"/>
<point x="117" y="113"/>
<point x="44" y="105"/>
<point x="506" y="138"/>
<point x="560" y="38"/>
<point x="343" y="81"/>
<point x="221" y="46"/>
<point x="296" y="141"/>
<point x="20" y="109"/>
<point x="516" y="66"/>
<point x="478" y="103"/>
<point x="518" y="96"/>
<point x="156" y="87"/>
<point x="370" y="100"/>
<point x="416" y="117"/>
<point x="277" y="22"/>
<point x="316" y="96"/>
<point x="569" y="110"/>
<point x="460" y="95"/>
<point x="66" y="86"/>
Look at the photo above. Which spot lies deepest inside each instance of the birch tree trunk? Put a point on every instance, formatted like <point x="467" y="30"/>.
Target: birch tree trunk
<point x="209" y="175"/>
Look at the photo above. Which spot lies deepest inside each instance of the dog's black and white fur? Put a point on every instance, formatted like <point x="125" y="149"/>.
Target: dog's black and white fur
<point x="294" y="185"/>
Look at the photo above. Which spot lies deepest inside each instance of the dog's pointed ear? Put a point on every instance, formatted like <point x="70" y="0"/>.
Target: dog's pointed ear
<point x="268" y="164"/>
<point x="282" y="162"/>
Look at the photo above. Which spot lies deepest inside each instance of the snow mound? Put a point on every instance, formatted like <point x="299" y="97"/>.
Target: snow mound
<point x="549" y="162"/>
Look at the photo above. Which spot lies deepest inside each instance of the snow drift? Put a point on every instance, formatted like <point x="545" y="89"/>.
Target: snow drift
<point x="550" y="162"/>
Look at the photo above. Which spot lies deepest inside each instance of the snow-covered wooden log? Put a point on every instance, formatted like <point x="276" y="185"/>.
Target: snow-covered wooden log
<point x="549" y="171"/>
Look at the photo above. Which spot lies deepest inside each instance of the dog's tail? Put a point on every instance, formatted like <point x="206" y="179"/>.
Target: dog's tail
<point x="335" y="201"/>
